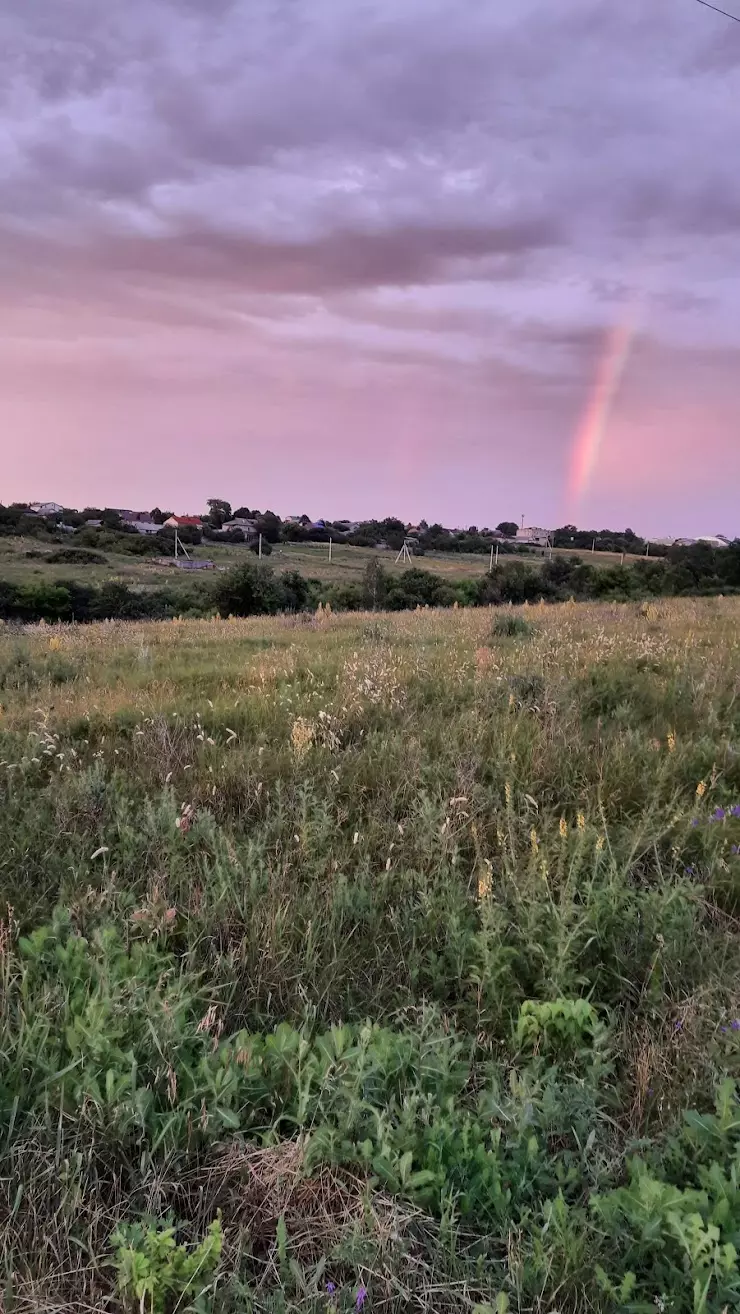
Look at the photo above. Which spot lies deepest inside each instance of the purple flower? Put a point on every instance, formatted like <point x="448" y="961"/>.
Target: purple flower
<point x="735" y="850"/>
<point x="360" y="1298"/>
<point x="677" y="1025"/>
<point x="719" y="814"/>
<point x="735" y="1024"/>
<point x="331" y="1288"/>
<point x="735" y="810"/>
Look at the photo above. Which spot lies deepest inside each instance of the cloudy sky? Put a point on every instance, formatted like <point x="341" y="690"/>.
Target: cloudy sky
<point x="374" y="258"/>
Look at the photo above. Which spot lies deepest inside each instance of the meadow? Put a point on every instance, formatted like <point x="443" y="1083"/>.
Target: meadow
<point x="24" y="561"/>
<point x="372" y="962"/>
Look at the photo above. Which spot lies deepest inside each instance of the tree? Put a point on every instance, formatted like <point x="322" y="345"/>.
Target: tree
<point x="242" y="513"/>
<point x="218" y="511"/>
<point x="508" y="528"/>
<point x="269" y="525"/>
<point x="249" y="590"/>
<point x="374" y="585"/>
<point x="296" y="589"/>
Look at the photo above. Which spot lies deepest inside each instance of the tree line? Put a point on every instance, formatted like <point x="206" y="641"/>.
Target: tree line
<point x="115" y="534"/>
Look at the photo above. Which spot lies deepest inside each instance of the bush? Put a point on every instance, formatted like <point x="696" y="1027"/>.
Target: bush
<point x="248" y="590"/>
<point x="512" y="627"/>
<point x="76" y="557"/>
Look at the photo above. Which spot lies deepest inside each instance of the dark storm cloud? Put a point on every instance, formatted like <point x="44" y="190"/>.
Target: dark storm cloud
<point x="314" y="147"/>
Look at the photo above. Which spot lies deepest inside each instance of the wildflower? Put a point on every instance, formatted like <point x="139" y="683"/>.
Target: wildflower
<point x="534" y="841"/>
<point x="581" y="821"/>
<point x="735" y="1024"/>
<point x="701" y="789"/>
<point x="719" y="814"/>
<point x="672" y="742"/>
<point x="360" y="1298"/>
<point x="600" y="844"/>
<point x="563" y="828"/>
<point x="485" y="880"/>
<point x="330" y="1288"/>
<point x="507" y="792"/>
<point x="735" y="810"/>
<point x="735" y="850"/>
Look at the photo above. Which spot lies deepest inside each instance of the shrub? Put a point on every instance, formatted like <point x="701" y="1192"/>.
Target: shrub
<point x="512" y="627"/>
<point x="76" y="557"/>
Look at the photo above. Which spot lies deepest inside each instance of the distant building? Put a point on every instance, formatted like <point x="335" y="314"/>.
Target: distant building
<point x="145" y="526"/>
<point x="45" y="509"/>
<point x="538" y="537"/>
<point x="133" y="517"/>
<point x="179" y="522"/>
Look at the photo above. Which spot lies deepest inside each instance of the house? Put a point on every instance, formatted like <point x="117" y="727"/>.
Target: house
<point x="145" y="526"/>
<point x="133" y="517"/>
<point x="247" y="527"/>
<point x="179" y="522"/>
<point x="45" y="509"/>
<point x="538" y="537"/>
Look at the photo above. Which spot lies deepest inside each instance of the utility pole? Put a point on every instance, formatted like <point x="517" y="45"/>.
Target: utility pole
<point x="496" y="561"/>
<point x="330" y="549"/>
<point x="490" y="564"/>
<point x="593" y="546"/>
<point x="259" y="548"/>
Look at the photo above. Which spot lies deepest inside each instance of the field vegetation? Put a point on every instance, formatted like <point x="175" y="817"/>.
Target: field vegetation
<point x="372" y="961"/>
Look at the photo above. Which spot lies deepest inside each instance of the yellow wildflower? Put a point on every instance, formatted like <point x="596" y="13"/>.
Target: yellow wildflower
<point x="672" y="742"/>
<point x="581" y="821"/>
<point x="563" y="828"/>
<point x="701" y="789"/>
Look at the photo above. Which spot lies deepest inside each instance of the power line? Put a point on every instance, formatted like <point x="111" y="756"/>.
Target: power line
<point x="735" y="17"/>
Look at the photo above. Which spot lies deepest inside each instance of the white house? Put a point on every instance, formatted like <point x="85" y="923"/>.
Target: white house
<point x="539" y="537"/>
<point x="46" y="508"/>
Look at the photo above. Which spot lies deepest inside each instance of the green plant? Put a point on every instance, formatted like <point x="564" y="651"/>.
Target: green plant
<point x="155" y="1275"/>
<point x="512" y="627"/>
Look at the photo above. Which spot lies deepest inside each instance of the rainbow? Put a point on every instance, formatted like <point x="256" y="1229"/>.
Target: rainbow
<point x="592" y="426"/>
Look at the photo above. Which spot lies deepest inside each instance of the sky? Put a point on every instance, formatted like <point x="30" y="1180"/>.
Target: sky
<point x="454" y="259"/>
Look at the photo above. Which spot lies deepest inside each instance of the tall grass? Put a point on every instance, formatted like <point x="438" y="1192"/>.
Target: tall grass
<point x="378" y="947"/>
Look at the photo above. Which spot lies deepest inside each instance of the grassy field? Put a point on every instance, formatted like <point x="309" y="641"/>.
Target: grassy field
<point x="311" y="559"/>
<point x="371" y="962"/>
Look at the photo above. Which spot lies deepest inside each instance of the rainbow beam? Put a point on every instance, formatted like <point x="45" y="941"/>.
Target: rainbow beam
<point x="592" y="427"/>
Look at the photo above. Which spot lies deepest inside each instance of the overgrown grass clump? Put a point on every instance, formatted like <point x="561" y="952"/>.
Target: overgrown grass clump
<point x="512" y="626"/>
<point x="360" y="963"/>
